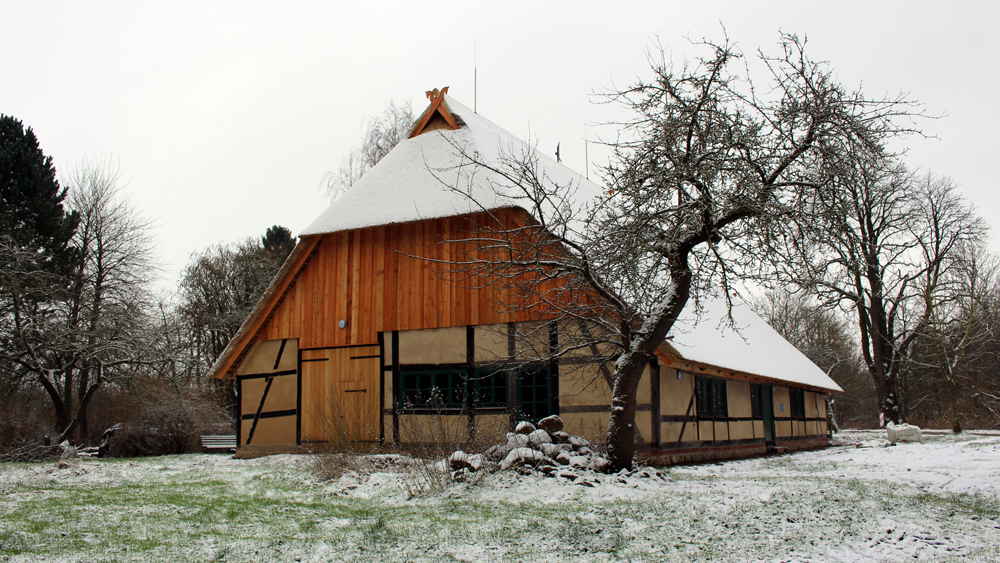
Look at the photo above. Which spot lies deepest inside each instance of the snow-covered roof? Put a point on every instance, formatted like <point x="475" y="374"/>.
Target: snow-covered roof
<point x="429" y="177"/>
<point x="753" y="347"/>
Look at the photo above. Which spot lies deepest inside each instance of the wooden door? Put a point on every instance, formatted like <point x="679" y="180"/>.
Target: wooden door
<point x="340" y="396"/>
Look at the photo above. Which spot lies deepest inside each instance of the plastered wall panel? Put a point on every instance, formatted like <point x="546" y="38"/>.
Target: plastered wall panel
<point x="706" y="430"/>
<point x="251" y="390"/>
<point x="643" y="394"/>
<point x="670" y="432"/>
<point x="387" y="356"/>
<point x="533" y="341"/>
<point x="738" y="396"/>
<point x="433" y="346"/>
<point x="741" y="430"/>
<point x="263" y="354"/>
<point x="675" y="394"/>
<point x="582" y="385"/>
<point x="781" y="405"/>
<point x="591" y="426"/>
<point x="758" y="429"/>
<point x="643" y="421"/>
<point x="436" y="429"/>
<point x="782" y="428"/>
<point x="387" y="394"/>
<point x="722" y="431"/>
<point x="283" y="394"/>
<point x="491" y="428"/>
<point x="273" y="431"/>
<point x="810" y="400"/>
<point x="491" y="343"/>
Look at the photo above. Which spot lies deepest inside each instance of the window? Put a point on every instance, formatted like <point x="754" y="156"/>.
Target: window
<point x="440" y="388"/>
<point x="757" y="399"/>
<point x="449" y="387"/>
<point x="711" y="397"/>
<point x="536" y="392"/>
<point x="490" y="389"/>
<point x="797" y="398"/>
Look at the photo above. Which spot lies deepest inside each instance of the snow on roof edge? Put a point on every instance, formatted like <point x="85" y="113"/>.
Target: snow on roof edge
<point x="753" y="347"/>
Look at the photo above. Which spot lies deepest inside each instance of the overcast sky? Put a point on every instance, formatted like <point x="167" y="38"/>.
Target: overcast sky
<point x="224" y="116"/>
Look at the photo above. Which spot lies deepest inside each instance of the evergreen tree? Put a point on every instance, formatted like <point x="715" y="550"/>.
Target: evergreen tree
<point x="278" y="241"/>
<point x="31" y="201"/>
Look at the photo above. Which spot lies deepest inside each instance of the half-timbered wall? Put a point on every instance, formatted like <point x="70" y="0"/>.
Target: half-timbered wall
<point x="687" y="435"/>
<point x="267" y="384"/>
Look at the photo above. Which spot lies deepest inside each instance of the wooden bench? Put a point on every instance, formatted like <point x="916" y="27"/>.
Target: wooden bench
<point x="220" y="442"/>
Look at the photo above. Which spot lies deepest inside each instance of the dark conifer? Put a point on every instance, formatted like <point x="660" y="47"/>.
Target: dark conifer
<point x="31" y="201"/>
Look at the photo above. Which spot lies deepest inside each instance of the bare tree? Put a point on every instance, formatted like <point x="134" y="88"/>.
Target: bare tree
<point x="708" y="174"/>
<point x="90" y="327"/>
<point x="877" y="242"/>
<point x="957" y="330"/>
<point x="382" y="133"/>
<point x="219" y="290"/>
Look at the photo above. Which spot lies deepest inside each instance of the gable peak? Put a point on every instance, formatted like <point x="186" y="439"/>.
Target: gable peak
<point x="437" y="111"/>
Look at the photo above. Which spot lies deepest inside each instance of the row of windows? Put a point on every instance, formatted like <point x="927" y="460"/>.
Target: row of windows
<point x="710" y="395"/>
<point x="452" y="388"/>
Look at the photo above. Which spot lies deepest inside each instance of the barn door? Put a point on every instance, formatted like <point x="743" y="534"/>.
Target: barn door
<point x="268" y="389"/>
<point x="340" y="396"/>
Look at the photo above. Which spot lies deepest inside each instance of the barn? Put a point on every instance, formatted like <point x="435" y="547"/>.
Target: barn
<point x="365" y="338"/>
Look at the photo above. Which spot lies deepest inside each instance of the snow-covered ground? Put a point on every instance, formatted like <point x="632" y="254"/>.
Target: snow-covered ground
<point x="937" y="501"/>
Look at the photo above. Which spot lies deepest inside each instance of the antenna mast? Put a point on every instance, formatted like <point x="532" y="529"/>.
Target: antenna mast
<point x="586" y="146"/>
<point x="475" y="79"/>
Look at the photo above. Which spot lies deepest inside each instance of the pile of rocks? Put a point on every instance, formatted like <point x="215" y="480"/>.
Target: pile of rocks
<point x="545" y="449"/>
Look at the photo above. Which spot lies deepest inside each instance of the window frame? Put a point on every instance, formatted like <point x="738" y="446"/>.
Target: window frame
<point x="712" y="397"/>
<point x="757" y="391"/>
<point x="491" y="382"/>
<point x="797" y="403"/>
<point x="455" y="395"/>
<point x="479" y="388"/>
<point x="548" y="405"/>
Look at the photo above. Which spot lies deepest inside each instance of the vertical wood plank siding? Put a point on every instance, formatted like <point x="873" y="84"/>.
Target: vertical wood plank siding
<point x="389" y="278"/>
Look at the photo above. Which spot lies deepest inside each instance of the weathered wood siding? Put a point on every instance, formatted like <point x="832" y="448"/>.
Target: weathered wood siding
<point x="395" y="277"/>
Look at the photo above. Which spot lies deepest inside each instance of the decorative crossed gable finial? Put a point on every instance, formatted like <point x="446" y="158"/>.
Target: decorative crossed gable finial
<point x="437" y="107"/>
<point x="434" y="94"/>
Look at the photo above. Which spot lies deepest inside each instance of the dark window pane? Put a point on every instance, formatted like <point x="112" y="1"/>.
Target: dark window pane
<point x="432" y="388"/>
<point x="535" y="392"/>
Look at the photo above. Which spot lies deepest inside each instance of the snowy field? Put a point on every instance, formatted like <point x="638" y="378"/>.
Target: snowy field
<point x="937" y="501"/>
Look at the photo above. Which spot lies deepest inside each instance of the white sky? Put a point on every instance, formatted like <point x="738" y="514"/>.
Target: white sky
<point x="224" y="116"/>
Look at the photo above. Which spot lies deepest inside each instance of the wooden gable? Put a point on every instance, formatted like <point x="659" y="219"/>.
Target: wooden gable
<point x="391" y="277"/>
